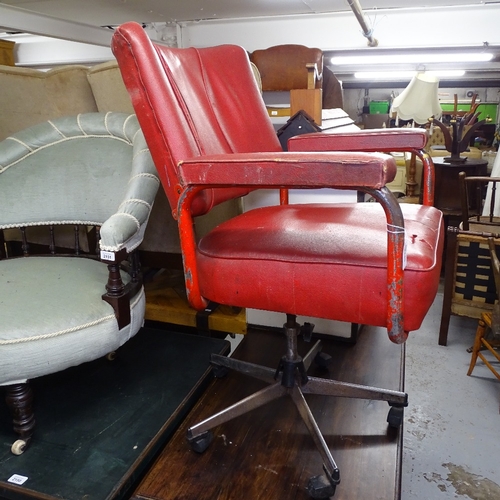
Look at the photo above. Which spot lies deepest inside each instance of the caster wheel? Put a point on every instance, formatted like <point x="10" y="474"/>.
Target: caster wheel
<point x="200" y="443"/>
<point x="395" y="416"/>
<point x="219" y="371"/>
<point x="111" y="356"/>
<point x="18" y="447"/>
<point x="320" y="487"/>
<point x="323" y="360"/>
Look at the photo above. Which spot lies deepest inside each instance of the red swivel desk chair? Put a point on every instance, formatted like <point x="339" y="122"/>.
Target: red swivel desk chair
<point x="211" y="140"/>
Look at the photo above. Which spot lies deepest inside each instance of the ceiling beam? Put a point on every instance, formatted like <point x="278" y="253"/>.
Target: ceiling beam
<point x="26" y="21"/>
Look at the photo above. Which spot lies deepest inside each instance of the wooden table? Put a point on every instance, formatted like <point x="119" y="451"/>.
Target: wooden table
<point x="447" y="191"/>
<point x="268" y="453"/>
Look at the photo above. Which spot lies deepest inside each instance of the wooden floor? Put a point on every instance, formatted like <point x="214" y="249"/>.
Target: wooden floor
<point x="268" y="453"/>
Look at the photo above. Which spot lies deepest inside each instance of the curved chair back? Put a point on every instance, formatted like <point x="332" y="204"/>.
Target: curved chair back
<point x="231" y="122"/>
<point x="285" y="67"/>
<point x="58" y="168"/>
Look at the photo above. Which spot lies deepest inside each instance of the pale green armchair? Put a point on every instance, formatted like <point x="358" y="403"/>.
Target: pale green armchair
<point x="87" y="171"/>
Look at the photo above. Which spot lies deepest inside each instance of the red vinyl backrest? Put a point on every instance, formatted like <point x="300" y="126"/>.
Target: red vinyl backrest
<point x="193" y="102"/>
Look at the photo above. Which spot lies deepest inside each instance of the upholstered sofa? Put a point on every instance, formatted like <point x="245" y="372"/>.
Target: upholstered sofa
<point x="31" y="96"/>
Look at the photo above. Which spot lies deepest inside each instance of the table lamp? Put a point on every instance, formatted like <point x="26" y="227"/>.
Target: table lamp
<point x="419" y="100"/>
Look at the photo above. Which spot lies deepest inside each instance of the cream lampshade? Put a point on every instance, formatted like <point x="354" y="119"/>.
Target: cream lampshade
<point x="419" y="101"/>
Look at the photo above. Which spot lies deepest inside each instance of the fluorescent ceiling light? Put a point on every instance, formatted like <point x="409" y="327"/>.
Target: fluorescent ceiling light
<point x="384" y="75"/>
<point x="447" y="73"/>
<point x="420" y="58"/>
<point x="404" y="75"/>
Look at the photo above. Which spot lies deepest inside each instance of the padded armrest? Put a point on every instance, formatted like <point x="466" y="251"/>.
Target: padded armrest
<point x="92" y="169"/>
<point x="125" y="228"/>
<point x="312" y="170"/>
<point x="390" y="140"/>
<point x="385" y="140"/>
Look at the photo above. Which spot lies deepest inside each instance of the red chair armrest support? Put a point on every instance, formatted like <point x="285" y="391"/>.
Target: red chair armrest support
<point x="383" y="140"/>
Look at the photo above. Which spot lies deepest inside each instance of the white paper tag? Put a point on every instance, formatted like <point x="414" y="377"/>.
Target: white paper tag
<point x="405" y="253"/>
<point x="107" y="255"/>
<point x="17" y="479"/>
<point x="396" y="230"/>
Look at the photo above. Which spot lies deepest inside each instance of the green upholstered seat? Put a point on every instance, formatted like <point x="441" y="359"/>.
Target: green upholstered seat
<point x="88" y="170"/>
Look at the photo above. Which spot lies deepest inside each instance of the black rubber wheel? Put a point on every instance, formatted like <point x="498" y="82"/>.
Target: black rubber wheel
<point x="200" y="443"/>
<point x="396" y="416"/>
<point x="320" y="487"/>
<point x="322" y="360"/>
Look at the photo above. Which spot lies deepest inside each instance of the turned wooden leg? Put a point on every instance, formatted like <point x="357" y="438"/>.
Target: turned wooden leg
<point x="481" y="327"/>
<point x="19" y="398"/>
<point x="449" y="279"/>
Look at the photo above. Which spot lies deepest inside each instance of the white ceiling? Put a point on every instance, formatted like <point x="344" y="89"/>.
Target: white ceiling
<point x="82" y="20"/>
<point x="113" y="12"/>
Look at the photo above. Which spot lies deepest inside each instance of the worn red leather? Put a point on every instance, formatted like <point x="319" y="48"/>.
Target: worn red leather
<point x="342" y="274"/>
<point x="211" y="140"/>
<point x="383" y="139"/>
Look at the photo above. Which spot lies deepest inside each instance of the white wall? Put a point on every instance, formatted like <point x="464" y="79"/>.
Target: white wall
<point x="449" y="26"/>
<point x="43" y="52"/>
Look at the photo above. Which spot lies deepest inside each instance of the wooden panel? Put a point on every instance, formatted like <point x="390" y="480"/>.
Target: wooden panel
<point x="308" y="100"/>
<point x="447" y="192"/>
<point x="268" y="452"/>
<point x="168" y="304"/>
<point x="7" y="53"/>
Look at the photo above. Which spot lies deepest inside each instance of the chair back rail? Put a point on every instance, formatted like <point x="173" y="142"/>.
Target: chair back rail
<point x="478" y="196"/>
<point x="75" y="239"/>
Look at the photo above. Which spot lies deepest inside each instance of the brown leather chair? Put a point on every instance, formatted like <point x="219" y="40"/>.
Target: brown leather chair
<point x="299" y="70"/>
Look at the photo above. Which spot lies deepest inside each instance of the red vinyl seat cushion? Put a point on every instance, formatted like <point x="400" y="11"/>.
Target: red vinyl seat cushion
<point x="301" y="259"/>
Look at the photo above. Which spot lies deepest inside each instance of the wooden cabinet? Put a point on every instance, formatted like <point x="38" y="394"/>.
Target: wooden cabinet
<point x="7" y="53"/>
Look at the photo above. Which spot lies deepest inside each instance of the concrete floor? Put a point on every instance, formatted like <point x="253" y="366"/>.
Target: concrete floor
<point x="452" y="424"/>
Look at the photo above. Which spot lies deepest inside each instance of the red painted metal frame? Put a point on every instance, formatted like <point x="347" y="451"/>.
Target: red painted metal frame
<point x="382" y="140"/>
<point x="395" y="253"/>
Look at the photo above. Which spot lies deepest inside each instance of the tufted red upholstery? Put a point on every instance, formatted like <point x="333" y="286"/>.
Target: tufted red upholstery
<point x="211" y="139"/>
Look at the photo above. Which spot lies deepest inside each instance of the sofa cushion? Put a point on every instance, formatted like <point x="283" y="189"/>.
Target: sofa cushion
<point x="31" y="96"/>
<point x="108" y="88"/>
